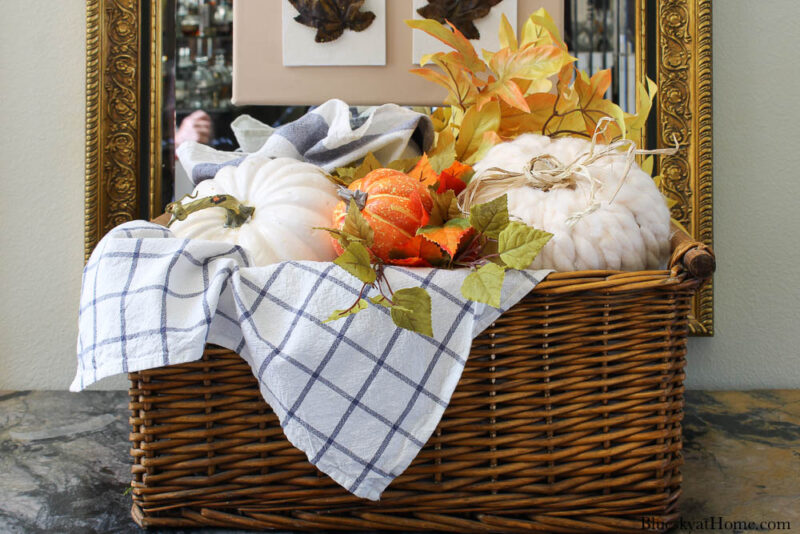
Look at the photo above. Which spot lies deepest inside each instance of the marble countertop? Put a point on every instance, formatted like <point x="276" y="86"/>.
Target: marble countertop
<point x="64" y="464"/>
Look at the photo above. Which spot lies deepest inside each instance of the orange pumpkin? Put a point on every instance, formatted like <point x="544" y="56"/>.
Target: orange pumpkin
<point x="397" y="206"/>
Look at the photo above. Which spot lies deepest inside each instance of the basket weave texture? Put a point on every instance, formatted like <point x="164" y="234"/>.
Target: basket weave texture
<point x="567" y="418"/>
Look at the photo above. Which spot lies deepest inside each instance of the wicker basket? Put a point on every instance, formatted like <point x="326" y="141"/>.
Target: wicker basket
<point x="567" y="418"/>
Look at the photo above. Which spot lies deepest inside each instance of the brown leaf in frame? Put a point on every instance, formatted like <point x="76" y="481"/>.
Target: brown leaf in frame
<point x="332" y="17"/>
<point x="461" y="13"/>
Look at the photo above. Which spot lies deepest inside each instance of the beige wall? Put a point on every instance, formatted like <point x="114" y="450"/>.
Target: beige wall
<point x="756" y="151"/>
<point x="756" y="200"/>
<point x="41" y="205"/>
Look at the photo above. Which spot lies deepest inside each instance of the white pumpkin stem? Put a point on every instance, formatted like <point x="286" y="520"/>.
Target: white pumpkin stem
<point x="236" y="213"/>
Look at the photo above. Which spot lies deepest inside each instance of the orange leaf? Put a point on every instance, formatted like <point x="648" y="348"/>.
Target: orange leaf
<point x="433" y="76"/>
<point x="423" y="172"/>
<point x="419" y="209"/>
<point x="418" y="252"/>
<point x="448" y="237"/>
<point x="511" y="94"/>
<point x="514" y="122"/>
<point x="450" y="178"/>
<point x="459" y="170"/>
<point x="452" y="38"/>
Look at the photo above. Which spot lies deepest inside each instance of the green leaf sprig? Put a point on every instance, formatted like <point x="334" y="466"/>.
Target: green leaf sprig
<point x="506" y="245"/>
<point x="496" y="245"/>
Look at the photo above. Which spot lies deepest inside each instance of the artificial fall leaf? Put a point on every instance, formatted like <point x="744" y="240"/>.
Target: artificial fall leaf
<point x="519" y="244"/>
<point x="490" y="218"/>
<point x="514" y="122"/>
<point x="412" y="310"/>
<point x="445" y="207"/>
<point x="332" y="17"/>
<point x="529" y="62"/>
<point x="507" y="34"/>
<point x="403" y="164"/>
<point x="461" y="13"/>
<point x="347" y="175"/>
<point x="541" y="29"/>
<point x="644" y="102"/>
<point x="356" y="260"/>
<point x="580" y="105"/>
<point x="419" y="252"/>
<point x="484" y="285"/>
<point x="450" y="236"/>
<point x="461" y="84"/>
<point x="369" y="164"/>
<point x="471" y="143"/>
<point x="423" y="171"/>
<point x="517" y="79"/>
<point x="418" y="208"/>
<point x="341" y="314"/>
<point x="441" y="118"/>
<point x="527" y="67"/>
<point x="343" y="175"/>
<point x="342" y="237"/>
<point x="454" y="39"/>
<point x="453" y="178"/>
<point x="355" y="225"/>
<point x="443" y="154"/>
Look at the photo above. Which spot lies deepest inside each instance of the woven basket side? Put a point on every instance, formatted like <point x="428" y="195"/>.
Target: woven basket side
<point x="567" y="417"/>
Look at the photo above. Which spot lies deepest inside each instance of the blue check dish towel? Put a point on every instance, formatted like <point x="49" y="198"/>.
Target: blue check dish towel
<point x="330" y="136"/>
<point x="359" y="396"/>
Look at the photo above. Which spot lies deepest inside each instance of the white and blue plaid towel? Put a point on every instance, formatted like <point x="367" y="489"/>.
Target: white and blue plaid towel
<point x="329" y="136"/>
<point x="359" y="396"/>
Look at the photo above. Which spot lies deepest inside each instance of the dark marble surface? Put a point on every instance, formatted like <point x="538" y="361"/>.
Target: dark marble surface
<point x="64" y="464"/>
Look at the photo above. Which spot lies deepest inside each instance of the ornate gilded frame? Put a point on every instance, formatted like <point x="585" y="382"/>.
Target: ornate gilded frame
<point x="123" y="40"/>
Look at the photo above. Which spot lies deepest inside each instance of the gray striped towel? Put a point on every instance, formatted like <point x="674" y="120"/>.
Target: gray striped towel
<point x="330" y="136"/>
<point x="359" y="396"/>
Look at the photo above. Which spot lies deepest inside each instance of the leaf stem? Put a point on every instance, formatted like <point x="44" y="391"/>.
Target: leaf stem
<point x="358" y="299"/>
<point x="388" y="286"/>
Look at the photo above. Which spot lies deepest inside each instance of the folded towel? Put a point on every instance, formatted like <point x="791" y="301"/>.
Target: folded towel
<point x="359" y="396"/>
<point x="330" y="136"/>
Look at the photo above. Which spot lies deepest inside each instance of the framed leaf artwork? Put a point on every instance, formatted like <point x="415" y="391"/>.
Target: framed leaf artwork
<point x="478" y="20"/>
<point x="333" y="32"/>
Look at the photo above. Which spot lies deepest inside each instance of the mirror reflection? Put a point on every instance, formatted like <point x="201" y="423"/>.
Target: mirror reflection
<point x="197" y="73"/>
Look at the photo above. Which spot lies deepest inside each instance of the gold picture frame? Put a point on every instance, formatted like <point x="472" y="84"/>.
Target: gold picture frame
<point x="123" y="40"/>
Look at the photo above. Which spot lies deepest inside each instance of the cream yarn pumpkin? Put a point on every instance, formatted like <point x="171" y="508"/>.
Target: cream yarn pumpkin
<point x="630" y="233"/>
<point x="290" y="198"/>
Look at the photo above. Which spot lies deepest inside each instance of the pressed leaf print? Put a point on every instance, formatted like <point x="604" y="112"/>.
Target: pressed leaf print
<point x="332" y="17"/>
<point x="461" y="13"/>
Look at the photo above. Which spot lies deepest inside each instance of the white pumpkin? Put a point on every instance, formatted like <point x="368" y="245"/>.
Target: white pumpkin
<point x="289" y="198"/>
<point x="630" y="233"/>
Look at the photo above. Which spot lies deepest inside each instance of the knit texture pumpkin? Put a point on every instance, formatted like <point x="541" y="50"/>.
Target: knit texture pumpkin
<point x="630" y="233"/>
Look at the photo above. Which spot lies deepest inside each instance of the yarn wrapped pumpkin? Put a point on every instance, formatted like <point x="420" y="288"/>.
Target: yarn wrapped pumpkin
<point x="396" y="206"/>
<point x="629" y="233"/>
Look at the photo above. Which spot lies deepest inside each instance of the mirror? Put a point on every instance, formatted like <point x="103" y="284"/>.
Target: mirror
<point x="152" y="64"/>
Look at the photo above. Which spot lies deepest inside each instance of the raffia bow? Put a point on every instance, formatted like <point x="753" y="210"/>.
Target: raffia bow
<point x="547" y="172"/>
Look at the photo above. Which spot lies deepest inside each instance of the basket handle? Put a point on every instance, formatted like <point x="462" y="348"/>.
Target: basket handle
<point x="697" y="258"/>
